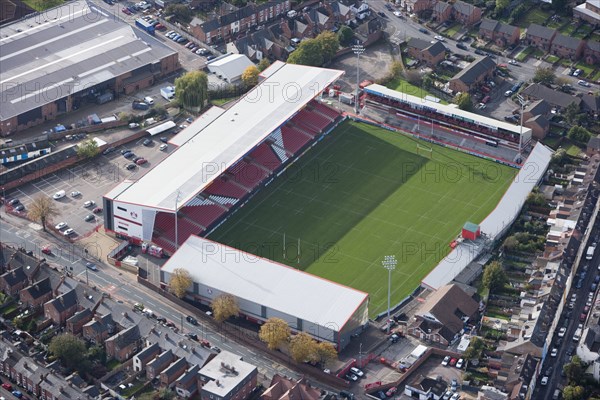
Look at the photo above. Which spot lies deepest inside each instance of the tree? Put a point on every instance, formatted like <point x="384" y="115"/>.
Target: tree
<point x="536" y="199"/>
<point x="573" y="392"/>
<point x="181" y="12"/>
<point x="69" y="349"/>
<point x="250" y="76"/>
<point x="427" y="81"/>
<point x="263" y="64"/>
<point x="180" y="282"/>
<point x="309" y="52"/>
<point x="345" y="35"/>
<point x="274" y="332"/>
<point x="544" y="75"/>
<point x="464" y="101"/>
<point x="475" y="349"/>
<point x="303" y="348"/>
<point x="574" y="370"/>
<point x="510" y="243"/>
<point x="579" y="134"/>
<point x="517" y="12"/>
<point x="494" y="276"/>
<point x="501" y="5"/>
<point x="191" y="90"/>
<point x="559" y="5"/>
<point x="225" y="306"/>
<point x="88" y="149"/>
<point x="42" y="209"/>
<point x="326" y="353"/>
<point x="571" y="113"/>
<point x="330" y="44"/>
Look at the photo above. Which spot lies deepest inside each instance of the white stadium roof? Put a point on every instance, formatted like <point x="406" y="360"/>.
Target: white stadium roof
<point x="497" y="221"/>
<point x="266" y="282"/>
<point x="216" y="147"/>
<point x="200" y="123"/>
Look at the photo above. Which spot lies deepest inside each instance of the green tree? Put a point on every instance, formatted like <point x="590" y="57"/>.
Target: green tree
<point x="180" y="282"/>
<point x="191" y="90"/>
<point x="250" y="76"/>
<point x="510" y="243"/>
<point x="88" y="149"/>
<point x="517" y="12"/>
<point x="501" y="5"/>
<point x="274" y="332"/>
<point x="574" y="370"/>
<point x="571" y="113"/>
<point x="427" y="81"/>
<point x="97" y="353"/>
<point x="536" y="199"/>
<point x="475" y="349"/>
<point x="263" y="64"/>
<point x="494" y="276"/>
<point x="330" y="44"/>
<point x="42" y="209"/>
<point x="307" y="53"/>
<point x="345" y="35"/>
<point x="544" y="75"/>
<point x="326" y="353"/>
<point x="69" y="349"/>
<point x="181" y="12"/>
<point x="573" y="393"/>
<point x="559" y="5"/>
<point x="303" y="348"/>
<point x="579" y="134"/>
<point x="225" y="306"/>
<point x="463" y="100"/>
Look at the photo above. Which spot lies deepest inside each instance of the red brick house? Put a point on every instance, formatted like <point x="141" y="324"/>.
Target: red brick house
<point x="37" y="294"/>
<point x="62" y="307"/>
<point x="588" y="11"/>
<point x="426" y="52"/>
<point x="187" y="384"/>
<point x="441" y="11"/>
<point x="78" y="320"/>
<point x="416" y="6"/>
<point x="227" y="26"/>
<point x="567" y="47"/>
<point x="591" y="52"/>
<point x="141" y="359"/>
<point x="13" y="281"/>
<point x="501" y="34"/>
<point x="539" y="36"/>
<point x="173" y="371"/>
<point x="99" y="329"/>
<point x="475" y="74"/>
<point x="156" y="366"/>
<point x="124" y="344"/>
<point x="465" y="13"/>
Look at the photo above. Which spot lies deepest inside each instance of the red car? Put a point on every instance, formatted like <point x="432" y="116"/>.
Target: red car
<point x="97" y="210"/>
<point x="160" y="27"/>
<point x="126" y="11"/>
<point x="453" y="362"/>
<point x="7" y="386"/>
<point x="141" y="161"/>
<point x="582" y="317"/>
<point x="46" y="250"/>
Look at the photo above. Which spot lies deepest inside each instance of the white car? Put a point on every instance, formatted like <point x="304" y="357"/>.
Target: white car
<point x="445" y="361"/>
<point x="544" y="381"/>
<point x="75" y="194"/>
<point x="508" y="93"/>
<point x="58" y="195"/>
<point x="562" y="331"/>
<point x="68" y="232"/>
<point x="397" y="14"/>
<point x="440" y="38"/>
<point x="554" y="352"/>
<point x="163" y="147"/>
<point x="60" y="226"/>
<point x="148" y="100"/>
<point x="357" y="372"/>
<point x="583" y="83"/>
<point x="513" y="62"/>
<point x="460" y="363"/>
<point x="89" y="203"/>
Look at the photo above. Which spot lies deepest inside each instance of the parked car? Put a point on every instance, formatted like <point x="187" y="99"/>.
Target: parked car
<point x="163" y="147"/>
<point x="462" y="46"/>
<point x="357" y="372"/>
<point x="60" y="226"/>
<point x="97" y="210"/>
<point x="460" y="363"/>
<point x="562" y="331"/>
<point x="91" y="266"/>
<point x="351" y="377"/>
<point x="391" y="391"/>
<point x="453" y="362"/>
<point x="89" y="217"/>
<point x="68" y="232"/>
<point x="130" y="166"/>
<point x="440" y="38"/>
<point x="445" y="361"/>
<point x="508" y="93"/>
<point x="108" y="150"/>
<point x="423" y="30"/>
<point x="58" y="195"/>
<point x="554" y="352"/>
<point x="125" y="10"/>
<point x="215" y="349"/>
<point x="20" y="207"/>
<point x="7" y="386"/>
<point x="89" y="203"/>
<point x="583" y="83"/>
<point x="147" y="142"/>
<point x="577" y="72"/>
<point x="141" y="161"/>
<point x="191" y="320"/>
<point x="513" y="62"/>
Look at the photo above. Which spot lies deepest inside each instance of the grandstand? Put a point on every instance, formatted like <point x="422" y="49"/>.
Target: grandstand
<point x="488" y="130"/>
<point x="223" y="158"/>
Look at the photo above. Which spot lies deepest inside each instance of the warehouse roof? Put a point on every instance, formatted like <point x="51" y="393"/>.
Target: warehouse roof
<point x="266" y="282"/>
<point x="497" y="221"/>
<point x="230" y="66"/>
<point x="67" y="50"/>
<point x="221" y="143"/>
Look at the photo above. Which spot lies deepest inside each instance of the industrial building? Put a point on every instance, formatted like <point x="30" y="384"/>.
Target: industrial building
<point x="72" y="55"/>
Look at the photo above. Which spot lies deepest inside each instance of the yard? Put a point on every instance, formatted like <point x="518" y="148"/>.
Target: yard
<point x="402" y="85"/>
<point x="587" y="69"/>
<point x="529" y="51"/>
<point x="453" y="29"/>
<point x="552" y="59"/>
<point x="41" y="5"/>
<point x="536" y="15"/>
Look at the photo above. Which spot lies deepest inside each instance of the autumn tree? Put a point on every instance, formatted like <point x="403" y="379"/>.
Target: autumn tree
<point x="191" y="90"/>
<point x="574" y="370"/>
<point x="69" y="349"/>
<point x="88" y="149"/>
<point x="263" y="64"/>
<point x="303" y="348"/>
<point x="274" y="332"/>
<point x="225" y="306"/>
<point x="326" y="353"/>
<point x="180" y="282"/>
<point x="573" y="392"/>
<point x="494" y="276"/>
<point x="42" y="209"/>
<point x="475" y="349"/>
<point x="250" y="76"/>
<point x="464" y="102"/>
<point x="544" y="75"/>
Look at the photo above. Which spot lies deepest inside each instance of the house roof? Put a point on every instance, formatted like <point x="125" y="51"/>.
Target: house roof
<point x="15" y="276"/>
<point x="436" y="48"/>
<point x="226" y="371"/>
<point x="538" y="107"/>
<point x="427" y="384"/>
<point x="126" y="337"/>
<point x="594" y="143"/>
<point x="284" y="388"/>
<point x="471" y="227"/>
<point x="593" y="45"/>
<point x="568" y="42"/>
<point x="540" y="31"/>
<point x="488" y="24"/>
<point x="188" y="377"/>
<point x="175" y="368"/>
<point x="590" y="103"/>
<point x="440" y="7"/>
<point x="448" y="305"/>
<point x="506" y="29"/>
<point x="148" y="353"/>
<point x="85" y="314"/>
<point x="64" y="301"/>
<point x="39" y="289"/>
<point x="476" y="69"/>
<point x="161" y="361"/>
<point x="540" y="120"/>
<point x="418" y="43"/>
<point x="553" y="97"/>
<point x="463" y="8"/>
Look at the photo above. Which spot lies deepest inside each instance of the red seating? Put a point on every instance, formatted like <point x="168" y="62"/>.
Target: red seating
<point x="203" y="215"/>
<point x="166" y="244"/>
<point x="221" y="187"/>
<point x="293" y="140"/>
<point x="265" y="156"/>
<point x="250" y="176"/>
<point x="323" y="109"/>
<point x="163" y="221"/>
<point x="311" y="119"/>
<point x="237" y="167"/>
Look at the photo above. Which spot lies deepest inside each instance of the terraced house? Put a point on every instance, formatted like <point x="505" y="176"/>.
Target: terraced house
<point x="501" y="34"/>
<point x="540" y="36"/>
<point x="567" y="47"/>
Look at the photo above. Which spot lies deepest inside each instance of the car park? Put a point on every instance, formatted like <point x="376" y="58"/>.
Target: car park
<point x="68" y="232"/>
<point x="60" y="226"/>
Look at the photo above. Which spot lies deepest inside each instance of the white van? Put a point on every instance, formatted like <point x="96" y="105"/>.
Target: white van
<point x="148" y="100"/>
<point x="590" y="252"/>
<point x="59" y="195"/>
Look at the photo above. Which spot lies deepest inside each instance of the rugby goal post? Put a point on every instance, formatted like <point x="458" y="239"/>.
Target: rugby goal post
<point x="425" y="151"/>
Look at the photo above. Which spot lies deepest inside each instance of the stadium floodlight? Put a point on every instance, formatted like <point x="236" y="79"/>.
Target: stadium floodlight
<point x="522" y="102"/>
<point x="358" y="49"/>
<point x="176" y="224"/>
<point x="389" y="263"/>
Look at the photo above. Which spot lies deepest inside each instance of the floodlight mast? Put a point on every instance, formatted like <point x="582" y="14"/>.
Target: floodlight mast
<point x="389" y="263"/>
<point x="358" y="49"/>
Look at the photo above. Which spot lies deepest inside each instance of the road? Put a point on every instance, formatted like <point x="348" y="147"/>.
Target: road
<point x="123" y="287"/>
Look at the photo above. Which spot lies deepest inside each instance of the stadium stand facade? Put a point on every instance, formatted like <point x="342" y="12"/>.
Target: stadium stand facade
<point x="227" y="173"/>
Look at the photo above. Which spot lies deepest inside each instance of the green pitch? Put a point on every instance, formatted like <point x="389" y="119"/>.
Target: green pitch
<point x="361" y="194"/>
